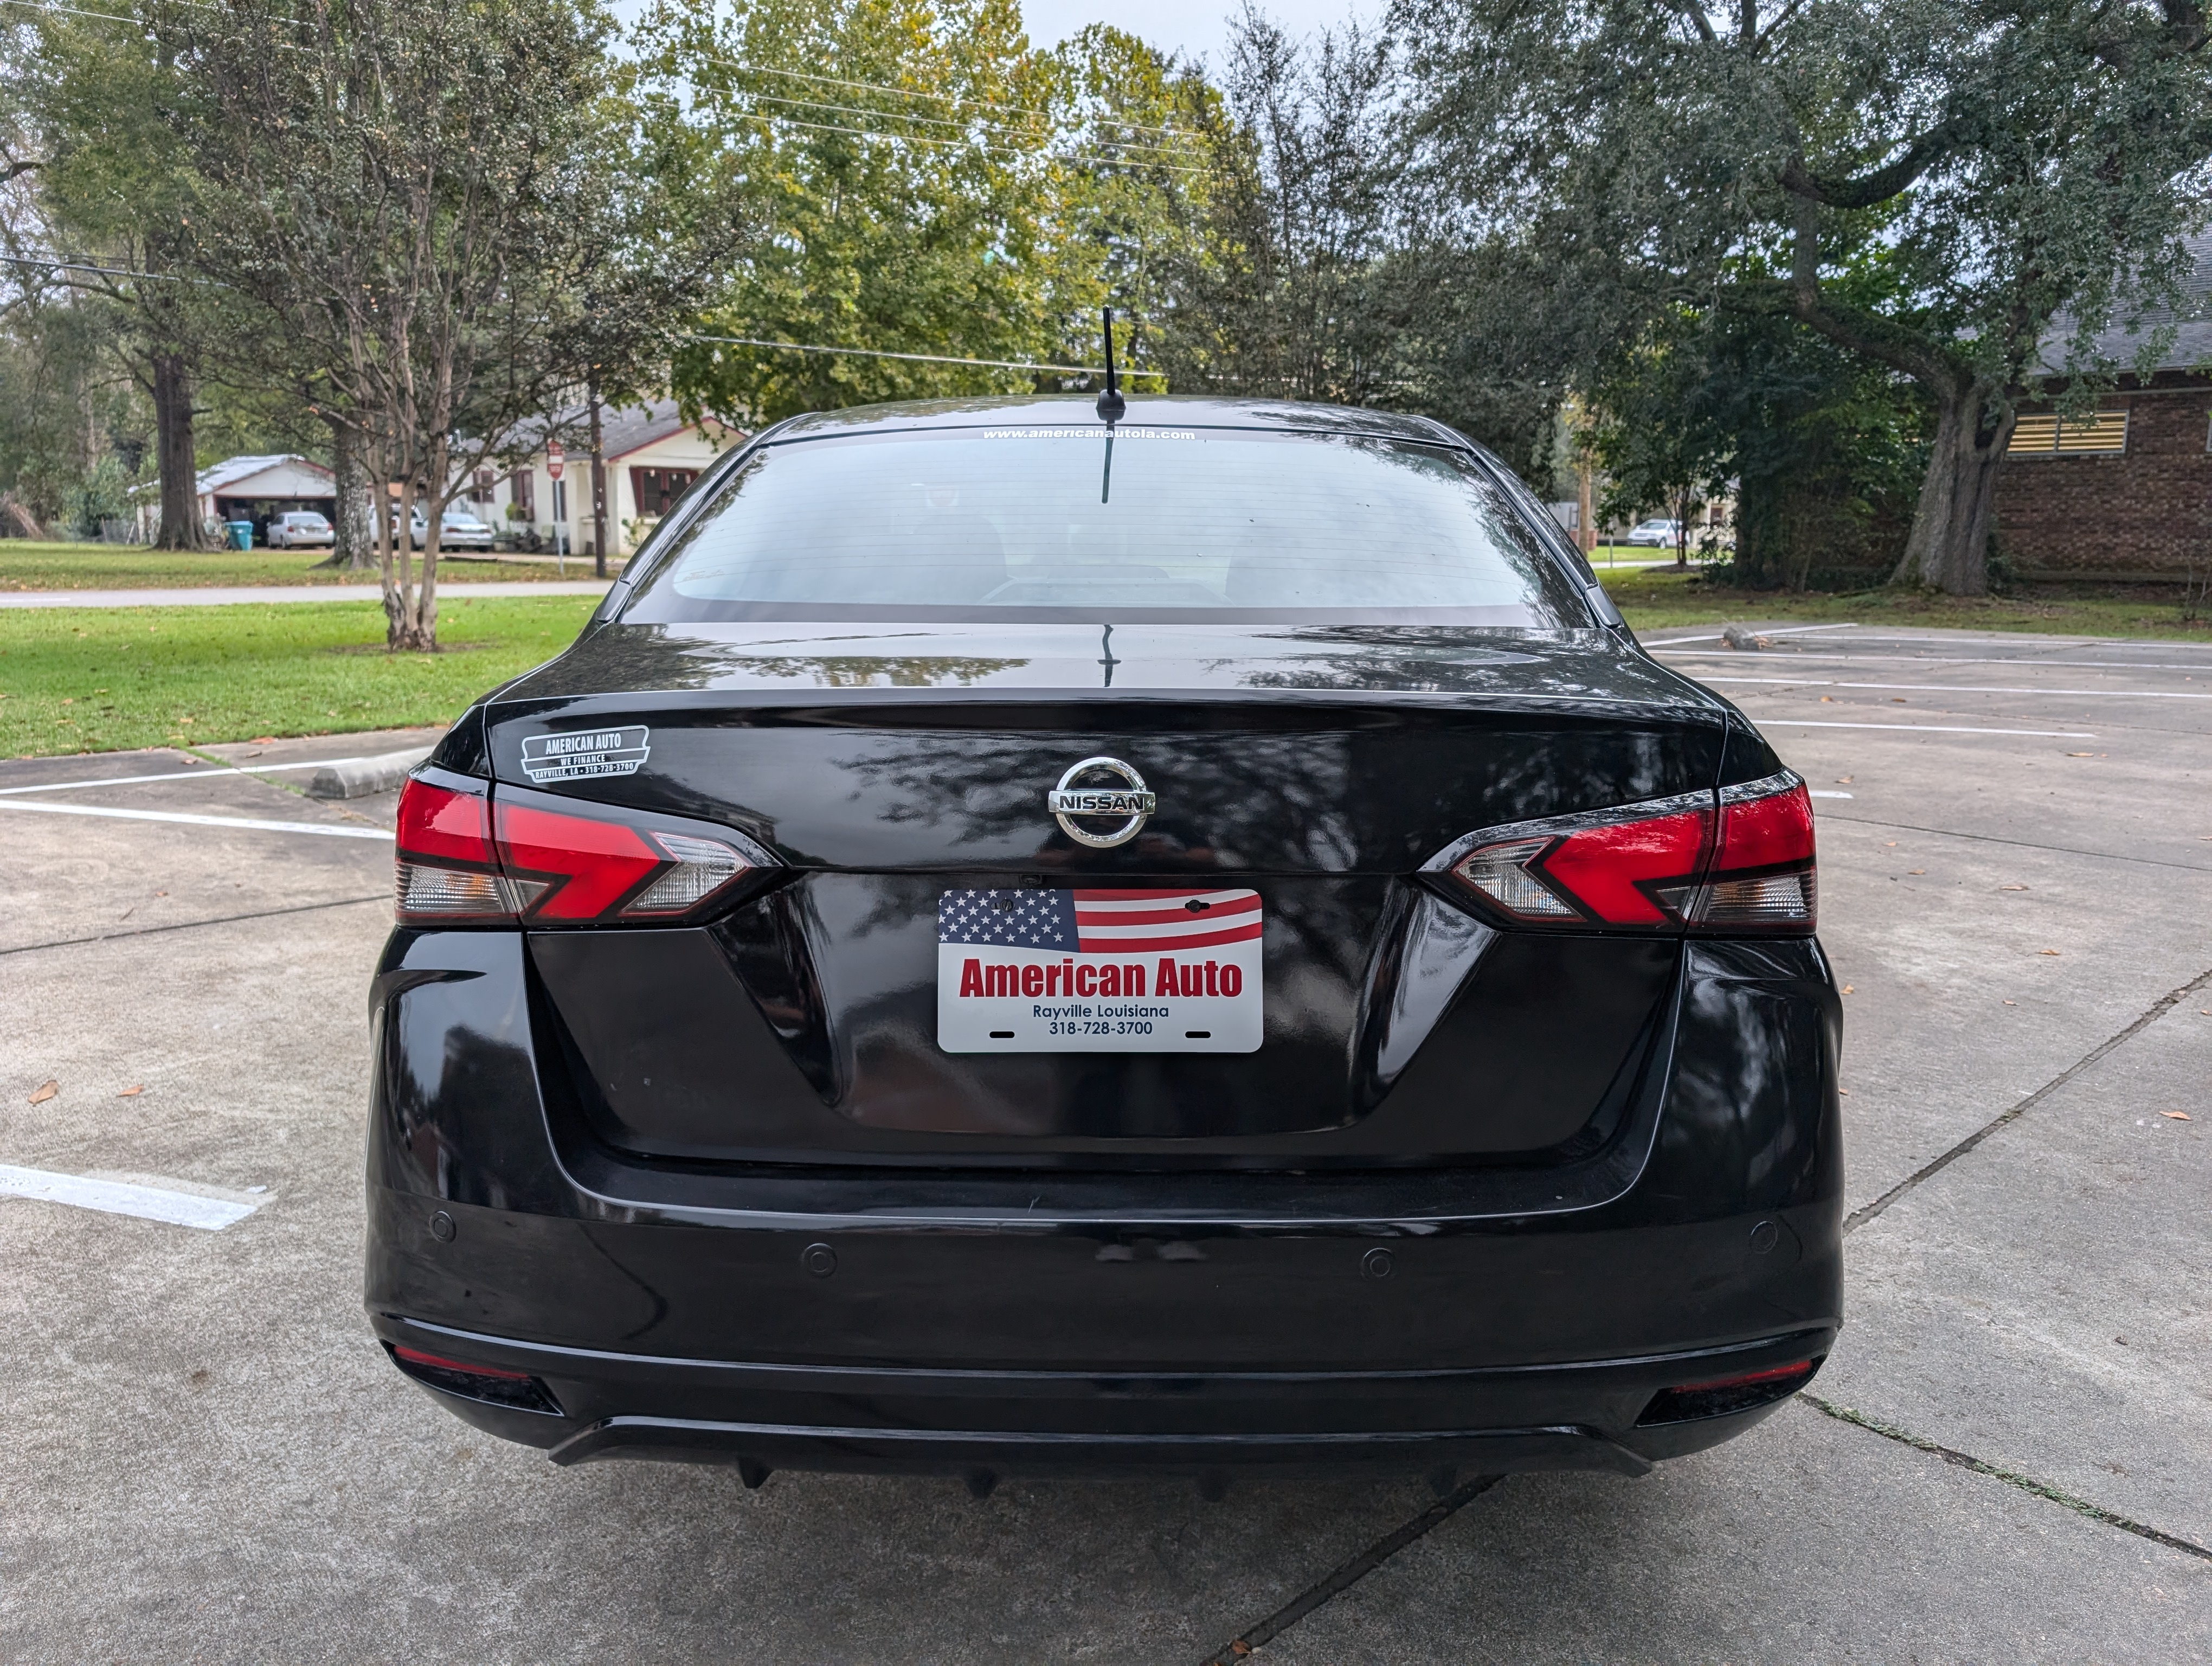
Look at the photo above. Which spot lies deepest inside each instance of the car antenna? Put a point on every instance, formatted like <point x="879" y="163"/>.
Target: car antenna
<point x="1111" y="404"/>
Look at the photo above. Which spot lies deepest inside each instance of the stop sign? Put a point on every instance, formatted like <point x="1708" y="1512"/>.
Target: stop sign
<point x="554" y="457"/>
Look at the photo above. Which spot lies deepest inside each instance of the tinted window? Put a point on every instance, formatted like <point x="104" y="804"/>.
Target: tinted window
<point x="1051" y="523"/>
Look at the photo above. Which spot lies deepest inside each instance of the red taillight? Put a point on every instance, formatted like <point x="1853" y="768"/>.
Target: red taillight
<point x="1627" y="874"/>
<point x="1763" y="876"/>
<point x="1632" y="866"/>
<point x="447" y="867"/>
<point x="528" y="856"/>
<point x="579" y="868"/>
<point x="1738" y="860"/>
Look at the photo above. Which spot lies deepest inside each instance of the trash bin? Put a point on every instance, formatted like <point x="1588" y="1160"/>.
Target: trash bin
<point x="241" y="533"/>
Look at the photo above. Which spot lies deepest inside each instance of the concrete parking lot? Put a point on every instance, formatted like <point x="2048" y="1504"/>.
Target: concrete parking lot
<point x="2010" y="1456"/>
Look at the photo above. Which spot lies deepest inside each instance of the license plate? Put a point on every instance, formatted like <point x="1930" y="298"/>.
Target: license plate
<point x="1099" y="971"/>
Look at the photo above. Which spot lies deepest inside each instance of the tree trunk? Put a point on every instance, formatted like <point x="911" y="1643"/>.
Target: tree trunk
<point x="411" y="618"/>
<point x="1948" y="547"/>
<point x="174" y="455"/>
<point x="598" y="491"/>
<point x="352" y="547"/>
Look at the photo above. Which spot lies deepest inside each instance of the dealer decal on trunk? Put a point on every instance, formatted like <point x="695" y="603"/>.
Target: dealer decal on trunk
<point x="1099" y="971"/>
<point x="584" y="754"/>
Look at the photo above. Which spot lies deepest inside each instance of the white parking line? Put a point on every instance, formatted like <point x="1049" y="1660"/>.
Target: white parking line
<point x="204" y="821"/>
<point x="207" y="771"/>
<point x="1779" y="631"/>
<point x="117" y="1197"/>
<point x="1966" y="688"/>
<point x="1904" y="728"/>
<point x="1825" y="793"/>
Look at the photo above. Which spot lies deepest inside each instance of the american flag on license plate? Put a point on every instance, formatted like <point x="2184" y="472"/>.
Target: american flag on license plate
<point x="1099" y="921"/>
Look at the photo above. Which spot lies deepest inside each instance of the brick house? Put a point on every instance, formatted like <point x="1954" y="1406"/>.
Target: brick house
<point x="2124" y="494"/>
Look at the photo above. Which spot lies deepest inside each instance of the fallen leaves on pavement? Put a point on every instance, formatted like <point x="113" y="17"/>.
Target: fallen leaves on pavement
<point x="44" y="1090"/>
<point x="132" y="1092"/>
<point x="2178" y="1115"/>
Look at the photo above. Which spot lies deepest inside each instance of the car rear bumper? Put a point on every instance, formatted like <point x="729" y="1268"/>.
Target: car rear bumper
<point x="1573" y="1415"/>
<point x="1044" y="1322"/>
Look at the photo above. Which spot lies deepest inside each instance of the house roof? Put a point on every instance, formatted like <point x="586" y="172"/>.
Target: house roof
<point x="2122" y="340"/>
<point x="232" y="469"/>
<point x="622" y="430"/>
<point x="626" y="431"/>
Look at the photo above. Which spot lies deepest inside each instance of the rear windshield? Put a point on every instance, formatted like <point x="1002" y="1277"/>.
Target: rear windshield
<point x="1160" y="524"/>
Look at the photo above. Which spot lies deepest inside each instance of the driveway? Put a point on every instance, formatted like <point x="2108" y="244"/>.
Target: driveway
<point x="2010" y="1456"/>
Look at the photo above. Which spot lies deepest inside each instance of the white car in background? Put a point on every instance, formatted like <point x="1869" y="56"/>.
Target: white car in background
<point x="456" y="530"/>
<point x="1656" y="534"/>
<point x="300" y="529"/>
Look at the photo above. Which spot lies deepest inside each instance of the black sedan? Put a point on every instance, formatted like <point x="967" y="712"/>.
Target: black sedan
<point x="1016" y="942"/>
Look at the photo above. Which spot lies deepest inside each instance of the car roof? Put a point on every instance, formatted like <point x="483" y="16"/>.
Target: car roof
<point x="1080" y="410"/>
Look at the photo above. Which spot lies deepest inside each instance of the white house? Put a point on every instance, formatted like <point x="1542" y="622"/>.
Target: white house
<point x="250" y="488"/>
<point x="652" y="455"/>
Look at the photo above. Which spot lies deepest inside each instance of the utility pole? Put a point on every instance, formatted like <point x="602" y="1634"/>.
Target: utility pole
<point x="599" y="488"/>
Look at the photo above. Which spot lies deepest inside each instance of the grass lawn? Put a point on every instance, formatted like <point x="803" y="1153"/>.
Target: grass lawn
<point x="101" y="679"/>
<point x="24" y="565"/>
<point x="1658" y="598"/>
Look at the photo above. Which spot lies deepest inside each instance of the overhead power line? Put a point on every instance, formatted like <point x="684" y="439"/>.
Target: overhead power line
<point x="917" y="93"/>
<point x="1145" y="151"/>
<point x="74" y="11"/>
<point x="1038" y="153"/>
<point x="922" y="358"/>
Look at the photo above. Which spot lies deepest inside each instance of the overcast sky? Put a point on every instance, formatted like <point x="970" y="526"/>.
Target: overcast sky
<point x="1192" y="27"/>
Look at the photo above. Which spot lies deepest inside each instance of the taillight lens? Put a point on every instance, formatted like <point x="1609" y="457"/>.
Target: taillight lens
<point x="1764" y="874"/>
<point x="530" y="857"/>
<point x="447" y="867"/>
<point x="1738" y="860"/>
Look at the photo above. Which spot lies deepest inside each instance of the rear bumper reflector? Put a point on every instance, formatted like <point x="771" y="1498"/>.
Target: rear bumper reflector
<point x="495" y="1385"/>
<point x="1729" y="1394"/>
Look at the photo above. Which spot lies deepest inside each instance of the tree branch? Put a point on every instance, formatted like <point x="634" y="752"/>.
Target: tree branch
<point x="1925" y="359"/>
<point x="1696" y="12"/>
<point x="1869" y="189"/>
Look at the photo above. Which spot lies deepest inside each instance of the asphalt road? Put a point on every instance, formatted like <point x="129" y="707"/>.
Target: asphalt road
<point x="2010" y="1457"/>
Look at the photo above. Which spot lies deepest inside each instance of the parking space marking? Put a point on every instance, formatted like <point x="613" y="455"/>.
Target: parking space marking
<point x="191" y="820"/>
<point x="1905" y="728"/>
<point x="118" y="1197"/>
<point x="1780" y="630"/>
<point x="206" y="772"/>
<point x="1969" y="688"/>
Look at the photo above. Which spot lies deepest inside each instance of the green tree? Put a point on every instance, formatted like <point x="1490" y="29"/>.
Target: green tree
<point x="1282" y="293"/>
<point x="401" y="196"/>
<point x="2024" y="160"/>
<point x="896" y="177"/>
<point x="916" y="179"/>
<point x="112" y="190"/>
